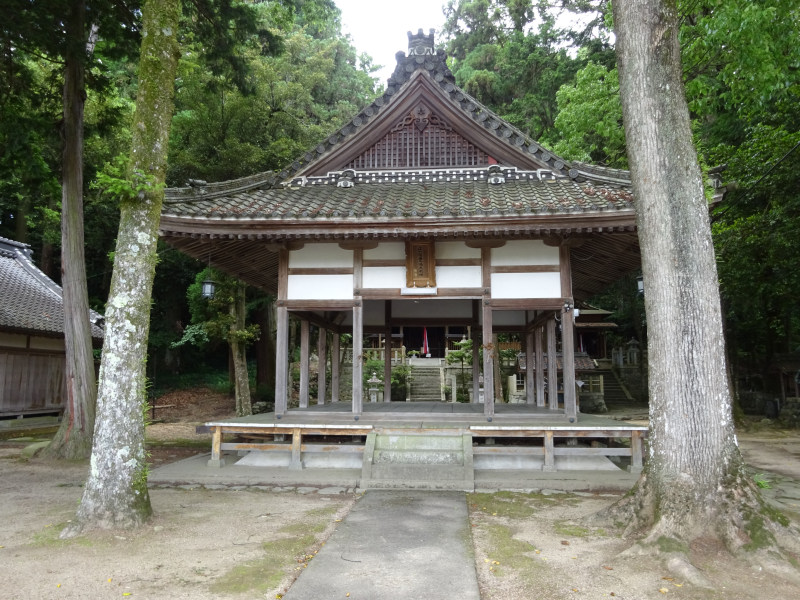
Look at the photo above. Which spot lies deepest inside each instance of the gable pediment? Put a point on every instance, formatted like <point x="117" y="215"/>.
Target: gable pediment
<point x="422" y="126"/>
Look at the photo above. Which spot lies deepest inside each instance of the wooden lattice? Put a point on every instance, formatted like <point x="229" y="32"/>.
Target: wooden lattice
<point x="421" y="139"/>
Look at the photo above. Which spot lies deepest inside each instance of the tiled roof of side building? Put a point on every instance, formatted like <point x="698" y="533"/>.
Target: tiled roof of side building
<point x="31" y="302"/>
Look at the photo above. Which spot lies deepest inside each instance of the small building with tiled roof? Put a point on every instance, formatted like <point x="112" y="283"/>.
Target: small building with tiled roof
<point x="426" y="211"/>
<point x="32" y="368"/>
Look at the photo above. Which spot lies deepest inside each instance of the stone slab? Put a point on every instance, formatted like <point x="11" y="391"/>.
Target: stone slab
<point x="403" y="545"/>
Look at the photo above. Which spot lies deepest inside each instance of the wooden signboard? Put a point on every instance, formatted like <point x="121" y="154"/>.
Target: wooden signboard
<point x="420" y="264"/>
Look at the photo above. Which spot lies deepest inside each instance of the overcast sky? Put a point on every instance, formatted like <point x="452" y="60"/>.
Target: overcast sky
<point x="379" y="27"/>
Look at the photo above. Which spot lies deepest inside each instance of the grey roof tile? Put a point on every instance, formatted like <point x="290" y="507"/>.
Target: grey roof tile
<point x="29" y="300"/>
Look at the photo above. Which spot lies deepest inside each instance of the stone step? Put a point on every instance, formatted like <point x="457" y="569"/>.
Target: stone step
<point x="435" y="462"/>
<point x="418" y="457"/>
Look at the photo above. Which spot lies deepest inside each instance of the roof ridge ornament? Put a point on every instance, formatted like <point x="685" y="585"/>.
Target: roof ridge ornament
<point x="420" y="44"/>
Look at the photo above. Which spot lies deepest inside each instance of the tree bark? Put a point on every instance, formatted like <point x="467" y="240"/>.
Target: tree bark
<point x="693" y="484"/>
<point x="241" y="379"/>
<point x="73" y="440"/>
<point x="115" y="495"/>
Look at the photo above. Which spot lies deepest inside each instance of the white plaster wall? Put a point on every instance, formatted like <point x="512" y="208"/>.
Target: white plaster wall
<point x="387" y="251"/>
<point x="432" y="309"/>
<point x="320" y="287"/>
<point x="383" y="277"/>
<point x="526" y="285"/>
<point x="456" y="250"/>
<point x="524" y="252"/>
<point x="315" y="256"/>
<point x="451" y="277"/>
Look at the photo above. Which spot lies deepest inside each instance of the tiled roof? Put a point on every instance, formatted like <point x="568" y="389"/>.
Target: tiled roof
<point x="400" y="195"/>
<point x="31" y="302"/>
<point x="560" y="186"/>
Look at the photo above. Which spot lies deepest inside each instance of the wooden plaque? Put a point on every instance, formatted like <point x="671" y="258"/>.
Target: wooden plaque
<point x="420" y="264"/>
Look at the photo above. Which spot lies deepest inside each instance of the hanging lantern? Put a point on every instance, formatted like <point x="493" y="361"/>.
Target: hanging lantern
<point x="207" y="288"/>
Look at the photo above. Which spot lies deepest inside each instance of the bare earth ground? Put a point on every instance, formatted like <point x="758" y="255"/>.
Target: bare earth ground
<point x="205" y="544"/>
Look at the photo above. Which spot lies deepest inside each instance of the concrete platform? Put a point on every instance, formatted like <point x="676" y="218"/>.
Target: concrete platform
<point x="194" y="472"/>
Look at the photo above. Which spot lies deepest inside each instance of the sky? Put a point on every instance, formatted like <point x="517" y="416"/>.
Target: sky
<point x="380" y="27"/>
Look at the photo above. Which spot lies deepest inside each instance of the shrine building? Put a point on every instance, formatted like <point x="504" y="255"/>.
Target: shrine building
<point x="425" y="215"/>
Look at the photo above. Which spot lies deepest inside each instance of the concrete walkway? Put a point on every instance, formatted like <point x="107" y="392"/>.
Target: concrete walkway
<point x="404" y="545"/>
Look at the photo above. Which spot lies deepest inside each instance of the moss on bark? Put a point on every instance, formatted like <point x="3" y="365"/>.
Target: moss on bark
<point x="116" y="495"/>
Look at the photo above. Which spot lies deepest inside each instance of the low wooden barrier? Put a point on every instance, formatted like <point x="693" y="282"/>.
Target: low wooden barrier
<point x="548" y="450"/>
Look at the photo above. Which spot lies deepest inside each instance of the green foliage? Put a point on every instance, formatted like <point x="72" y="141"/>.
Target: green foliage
<point x="298" y="97"/>
<point x="117" y="181"/>
<point x="589" y="122"/>
<point x="463" y="357"/>
<point x="213" y="318"/>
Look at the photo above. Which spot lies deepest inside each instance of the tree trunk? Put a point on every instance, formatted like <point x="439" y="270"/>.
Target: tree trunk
<point x="115" y="495"/>
<point x="241" y="379"/>
<point x="693" y="484"/>
<point x="73" y="440"/>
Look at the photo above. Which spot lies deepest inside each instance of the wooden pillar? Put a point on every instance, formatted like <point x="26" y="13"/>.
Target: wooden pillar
<point x="568" y="335"/>
<point x="488" y="362"/>
<point x="488" y="346"/>
<point x="358" y="333"/>
<point x="568" y="364"/>
<point x="358" y="359"/>
<point x="636" y="452"/>
<point x="281" y="360"/>
<point x="296" y="463"/>
<point x="305" y="351"/>
<point x="549" y="452"/>
<point x="335" y="352"/>
<point x="539" y="368"/>
<point x="282" y="337"/>
<point x="530" y="389"/>
<point x="552" y="365"/>
<point x="387" y="351"/>
<point x="476" y="346"/>
<point x="322" y="369"/>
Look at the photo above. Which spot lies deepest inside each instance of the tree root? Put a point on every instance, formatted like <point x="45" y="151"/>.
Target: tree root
<point x="665" y="525"/>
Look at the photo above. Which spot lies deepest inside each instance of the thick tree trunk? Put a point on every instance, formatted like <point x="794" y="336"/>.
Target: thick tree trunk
<point x="693" y="484"/>
<point x="115" y="495"/>
<point x="73" y="440"/>
<point x="244" y="405"/>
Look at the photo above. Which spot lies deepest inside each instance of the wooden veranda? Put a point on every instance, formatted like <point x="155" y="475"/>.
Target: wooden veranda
<point x="517" y="430"/>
